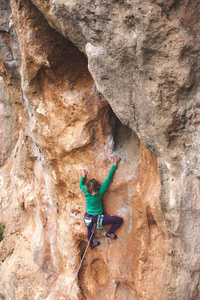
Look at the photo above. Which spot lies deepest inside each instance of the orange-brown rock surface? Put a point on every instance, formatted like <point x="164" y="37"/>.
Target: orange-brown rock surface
<point x="82" y="81"/>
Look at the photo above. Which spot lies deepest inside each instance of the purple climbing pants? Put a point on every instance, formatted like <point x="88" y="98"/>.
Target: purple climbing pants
<point x="115" y="221"/>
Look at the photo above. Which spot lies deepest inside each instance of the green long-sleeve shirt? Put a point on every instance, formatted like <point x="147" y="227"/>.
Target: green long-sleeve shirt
<point x="94" y="203"/>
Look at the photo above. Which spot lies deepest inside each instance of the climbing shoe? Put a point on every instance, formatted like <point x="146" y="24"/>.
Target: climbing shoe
<point x="96" y="244"/>
<point x="111" y="236"/>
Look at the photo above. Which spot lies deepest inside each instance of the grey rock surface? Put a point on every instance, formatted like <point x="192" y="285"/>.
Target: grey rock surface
<point x="144" y="58"/>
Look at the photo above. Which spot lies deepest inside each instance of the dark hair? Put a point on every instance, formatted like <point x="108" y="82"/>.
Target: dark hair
<point x="92" y="187"/>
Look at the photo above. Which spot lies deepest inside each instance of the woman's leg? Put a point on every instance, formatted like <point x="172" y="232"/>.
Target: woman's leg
<point x="114" y="220"/>
<point x="89" y="230"/>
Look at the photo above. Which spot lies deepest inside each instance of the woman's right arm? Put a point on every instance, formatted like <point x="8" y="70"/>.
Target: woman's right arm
<point x="104" y="186"/>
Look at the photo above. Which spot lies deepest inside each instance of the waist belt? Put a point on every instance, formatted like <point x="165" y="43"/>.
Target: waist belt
<point x="88" y="221"/>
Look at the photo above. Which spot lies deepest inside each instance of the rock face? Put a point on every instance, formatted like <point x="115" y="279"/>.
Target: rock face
<point x="81" y="81"/>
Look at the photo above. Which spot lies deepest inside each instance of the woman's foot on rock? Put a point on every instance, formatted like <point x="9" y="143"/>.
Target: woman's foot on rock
<point x="96" y="244"/>
<point x="111" y="236"/>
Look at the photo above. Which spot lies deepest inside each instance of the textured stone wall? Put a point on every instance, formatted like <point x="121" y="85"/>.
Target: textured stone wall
<point x="81" y="81"/>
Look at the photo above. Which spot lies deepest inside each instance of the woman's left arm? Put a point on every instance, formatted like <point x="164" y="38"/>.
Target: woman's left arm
<point x="81" y="184"/>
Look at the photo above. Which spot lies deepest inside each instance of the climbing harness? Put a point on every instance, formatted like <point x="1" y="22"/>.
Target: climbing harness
<point x="88" y="221"/>
<point x="100" y="223"/>
<point x="93" y="231"/>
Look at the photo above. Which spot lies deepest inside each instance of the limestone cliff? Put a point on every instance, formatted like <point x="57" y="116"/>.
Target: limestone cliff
<point x="81" y="81"/>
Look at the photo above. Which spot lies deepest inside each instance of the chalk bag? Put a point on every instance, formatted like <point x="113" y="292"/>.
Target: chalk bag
<point x="87" y="220"/>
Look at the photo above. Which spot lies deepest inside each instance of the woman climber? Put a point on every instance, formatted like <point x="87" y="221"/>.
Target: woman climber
<point x="93" y="193"/>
